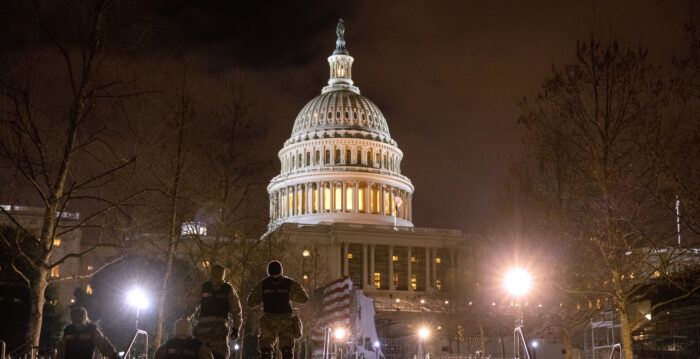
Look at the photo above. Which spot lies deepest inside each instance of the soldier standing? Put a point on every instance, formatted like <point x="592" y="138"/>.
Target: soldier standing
<point x="219" y="314"/>
<point x="80" y="338"/>
<point x="275" y="293"/>
<point x="183" y="346"/>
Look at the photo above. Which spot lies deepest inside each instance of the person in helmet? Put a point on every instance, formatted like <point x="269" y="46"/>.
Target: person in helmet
<point x="219" y="314"/>
<point x="81" y="338"/>
<point x="183" y="346"/>
<point x="275" y="293"/>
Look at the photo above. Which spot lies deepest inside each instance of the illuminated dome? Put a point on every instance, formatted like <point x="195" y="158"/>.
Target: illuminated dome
<point x="340" y="163"/>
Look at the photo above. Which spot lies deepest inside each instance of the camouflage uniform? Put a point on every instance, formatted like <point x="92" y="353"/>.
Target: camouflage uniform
<point x="219" y="314"/>
<point x="276" y="322"/>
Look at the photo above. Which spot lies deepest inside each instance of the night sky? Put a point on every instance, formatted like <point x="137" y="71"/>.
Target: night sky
<point x="448" y="76"/>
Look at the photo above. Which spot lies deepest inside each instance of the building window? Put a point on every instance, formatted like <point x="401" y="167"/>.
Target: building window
<point x="414" y="281"/>
<point x="338" y="198"/>
<point x="300" y="201"/>
<point x="337" y="156"/>
<point x="348" y="157"/>
<point x="373" y="200"/>
<point x="377" y="280"/>
<point x="89" y="268"/>
<point x="395" y="258"/>
<point x="205" y="264"/>
<point x="349" y="255"/>
<point x="369" y="156"/>
<point x="88" y="289"/>
<point x="306" y="276"/>
<point x="328" y="157"/>
<point x="56" y="242"/>
<point x="413" y="259"/>
<point x="55" y="272"/>
<point x="387" y="203"/>
<point x="438" y="284"/>
<point x="437" y="260"/>
<point x="317" y="160"/>
<point x="326" y="199"/>
<point x="348" y="199"/>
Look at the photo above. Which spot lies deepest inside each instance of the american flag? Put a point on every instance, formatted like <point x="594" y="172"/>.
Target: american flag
<point x="336" y="309"/>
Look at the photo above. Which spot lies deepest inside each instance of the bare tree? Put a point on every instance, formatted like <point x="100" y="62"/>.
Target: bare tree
<point x="586" y="124"/>
<point x="64" y="142"/>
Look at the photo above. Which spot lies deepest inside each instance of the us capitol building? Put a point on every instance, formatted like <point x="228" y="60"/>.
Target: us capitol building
<point x="344" y="207"/>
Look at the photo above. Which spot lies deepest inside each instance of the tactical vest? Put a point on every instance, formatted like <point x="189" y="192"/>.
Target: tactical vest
<point x="214" y="302"/>
<point x="182" y="348"/>
<point x="80" y="343"/>
<point x="276" y="295"/>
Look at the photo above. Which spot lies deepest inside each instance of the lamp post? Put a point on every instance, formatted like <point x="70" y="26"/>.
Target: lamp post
<point x="517" y="282"/>
<point x="137" y="299"/>
<point x="339" y="334"/>
<point x="376" y="349"/>
<point x="423" y="333"/>
<point x="533" y="345"/>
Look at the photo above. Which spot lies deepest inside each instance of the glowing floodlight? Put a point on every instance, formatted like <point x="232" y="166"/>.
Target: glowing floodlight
<point x="534" y="343"/>
<point x="517" y="281"/>
<point x="339" y="333"/>
<point x="423" y="333"/>
<point x="137" y="299"/>
<point x="376" y="344"/>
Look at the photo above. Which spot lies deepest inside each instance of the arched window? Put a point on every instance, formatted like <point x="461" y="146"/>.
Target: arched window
<point x="308" y="158"/>
<point x="337" y="156"/>
<point x="379" y="160"/>
<point x="361" y="205"/>
<point x="348" y="156"/>
<point x="348" y="197"/>
<point x="328" y="157"/>
<point x="386" y="163"/>
<point x="358" y="160"/>
<point x="317" y="160"/>
<point x="299" y="162"/>
<point x="369" y="158"/>
<point x="292" y="161"/>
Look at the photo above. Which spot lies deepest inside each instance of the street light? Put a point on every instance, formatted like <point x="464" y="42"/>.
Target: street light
<point x="137" y="299"/>
<point x="517" y="281"/>
<point x="423" y="333"/>
<point x="339" y="334"/>
<point x="534" y="349"/>
<point x="376" y="349"/>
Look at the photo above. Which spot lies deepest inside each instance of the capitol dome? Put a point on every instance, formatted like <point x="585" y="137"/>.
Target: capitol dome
<point x="340" y="163"/>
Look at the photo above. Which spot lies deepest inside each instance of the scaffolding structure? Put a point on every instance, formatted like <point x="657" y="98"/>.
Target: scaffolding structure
<point x="672" y="332"/>
<point x="601" y="334"/>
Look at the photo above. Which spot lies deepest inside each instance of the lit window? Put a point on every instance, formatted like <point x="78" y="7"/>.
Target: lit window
<point x="377" y="279"/>
<point x="414" y="284"/>
<point x="348" y="199"/>
<point x="88" y="289"/>
<point x="387" y="203"/>
<point x="89" y="268"/>
<point x="395" y="258"/>
<point x="205" y="264"/>
<point x="300" y="201"/>
<point x="373" y="200"/>
<point x="57" y="242"/>
<point x="349" y="255"/>
<point x="438" y="284"/>
<point x="413" y="259"/>
<point x="193" y="228"/>
<point x="437" y="260"/>
<point x="361" y="199"/>
<point x="306" y="253"/>
<point x="327" y="199"/>
<point x="338" y="198"/>
<point x="55" y="272"/>
<point x="306" y="276"/>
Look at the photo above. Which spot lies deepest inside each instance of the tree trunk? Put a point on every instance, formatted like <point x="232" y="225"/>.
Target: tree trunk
<point x="36" y="310"/>
<point x="626" y="332"/>
<point x="568" y="340"/>
<point x="482" y="336"/>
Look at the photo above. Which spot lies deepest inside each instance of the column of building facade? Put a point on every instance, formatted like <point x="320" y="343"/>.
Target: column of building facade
<point x="391" y="268"/>
<point x="368" y="198"/>
<point x="343" y="195"/>
<point x="427" y="269"/>
<point x="410" y="207"/>
<point x="372" y="270"/>
<point x="409" y="269"/>
<point x="364" y="266"/>
<point x="382" y="202"/>
<point x="356" y="198"/>
<point x="331" y="186"/>
<point x="319" y="196"/>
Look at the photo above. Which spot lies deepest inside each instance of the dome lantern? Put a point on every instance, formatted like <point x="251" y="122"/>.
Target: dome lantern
<point x="340" y="63"/>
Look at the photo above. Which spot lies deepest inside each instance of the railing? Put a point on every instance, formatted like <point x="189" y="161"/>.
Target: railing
<point x="3" y="346"/>
<point x="517" y="336"/>
<point x="127" y="353"/>
<point x="619" y="349"/>
<point x="32" y="353"/>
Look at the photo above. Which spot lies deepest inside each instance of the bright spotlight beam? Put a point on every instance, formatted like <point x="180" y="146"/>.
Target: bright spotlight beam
<point x="517" y="281"/>
<point x="137" y="299"/>
<point x="423" y="333"/>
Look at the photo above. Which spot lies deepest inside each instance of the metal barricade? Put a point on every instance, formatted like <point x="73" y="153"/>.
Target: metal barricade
<point x="619" y="349"/>
<point x="127" y="353"/>
<point x="517" y="336"/>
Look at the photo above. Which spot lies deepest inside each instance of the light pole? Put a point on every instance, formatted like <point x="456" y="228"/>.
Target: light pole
<point x="423" y="333"/>
<point x="339" y="334"/>
<point x="517" y="282"/>
<point x="137" y="299"/>
<point x="376" y="349"/>
<point x="534" y="349"/>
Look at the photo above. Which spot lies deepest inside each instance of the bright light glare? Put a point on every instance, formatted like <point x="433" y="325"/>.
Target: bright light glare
<point x="137" y="299"/>
<point x="339" y="333"/>
<point x="236" y="347"/>
<point x="534" y="343"/>
<point x="648" y="316"/>
<point x="423" y="333"/>
<point x="376" y="344"/>
<point x="517" y="281"/>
